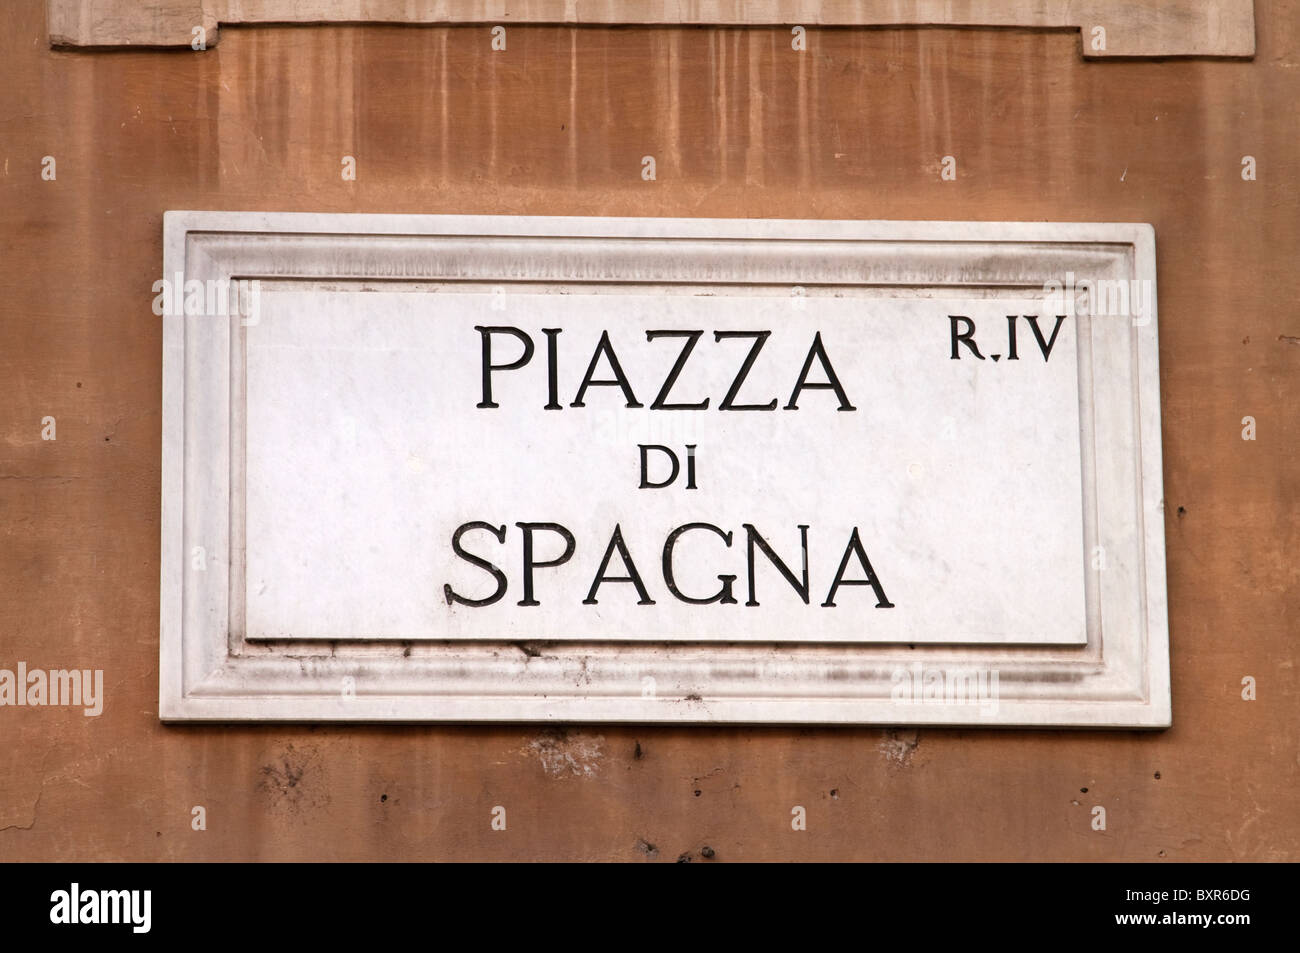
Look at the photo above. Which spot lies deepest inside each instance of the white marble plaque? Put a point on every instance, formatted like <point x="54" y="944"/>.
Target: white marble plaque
<point x="441" y="468"/>
<point x="370" y="449"/>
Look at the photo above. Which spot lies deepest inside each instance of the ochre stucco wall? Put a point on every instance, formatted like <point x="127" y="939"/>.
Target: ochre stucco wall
<point x="740" y="126"/>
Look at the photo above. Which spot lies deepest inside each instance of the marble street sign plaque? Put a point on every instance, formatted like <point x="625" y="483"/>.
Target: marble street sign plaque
<point x="495" y="468"/>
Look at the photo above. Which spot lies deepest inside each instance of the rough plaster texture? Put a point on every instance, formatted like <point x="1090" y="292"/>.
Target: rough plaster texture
<point x="741" y="126"/>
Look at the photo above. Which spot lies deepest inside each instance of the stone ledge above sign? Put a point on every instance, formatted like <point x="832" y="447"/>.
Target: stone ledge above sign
<point x="1170" y="28"/>
<point x="447" y="468"/>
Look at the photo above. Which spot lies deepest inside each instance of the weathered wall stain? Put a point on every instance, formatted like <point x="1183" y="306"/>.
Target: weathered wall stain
<point x="899" y="745"/>
<point x="293" y="779"/>
<point x="564" y="753"/>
